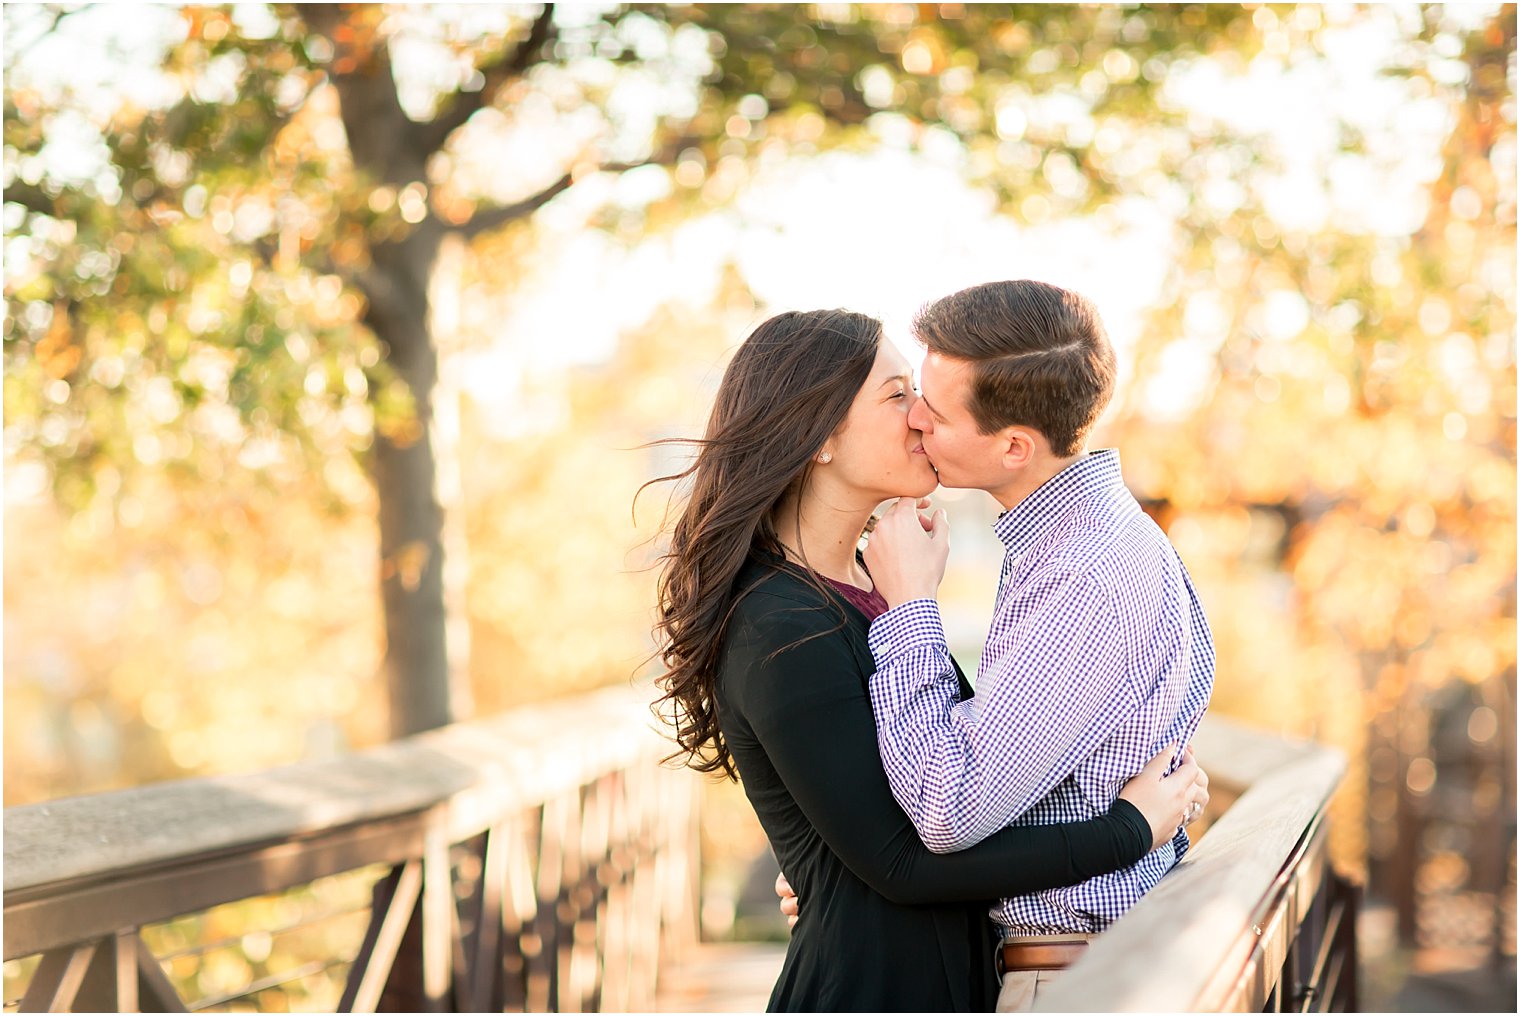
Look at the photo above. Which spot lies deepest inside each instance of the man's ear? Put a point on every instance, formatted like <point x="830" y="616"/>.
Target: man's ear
<point x="1019" y="448"/>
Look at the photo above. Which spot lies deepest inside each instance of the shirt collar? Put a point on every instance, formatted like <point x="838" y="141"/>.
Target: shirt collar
<point x="1026" y="522"/>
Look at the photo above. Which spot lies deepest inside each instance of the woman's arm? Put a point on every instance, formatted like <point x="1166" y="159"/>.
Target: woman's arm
<point x="810" y="711"/>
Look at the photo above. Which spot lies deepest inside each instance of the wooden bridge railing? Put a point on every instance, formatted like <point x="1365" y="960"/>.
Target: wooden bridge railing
<point x="540" y="861"/>
<point x="1253" y="919"/>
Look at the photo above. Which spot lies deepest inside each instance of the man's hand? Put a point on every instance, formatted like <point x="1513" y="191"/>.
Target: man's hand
<point x="790" y="905"/>
<point x="907" y="551"/>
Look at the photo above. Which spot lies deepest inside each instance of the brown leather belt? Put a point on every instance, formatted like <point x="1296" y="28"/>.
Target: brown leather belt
<point x="1038" y="955"/>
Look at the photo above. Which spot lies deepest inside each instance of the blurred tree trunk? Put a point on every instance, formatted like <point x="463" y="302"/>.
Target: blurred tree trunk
<point x="384" y="143"/>
<point x="390" y="150"/>
<point x="405" y="475"/>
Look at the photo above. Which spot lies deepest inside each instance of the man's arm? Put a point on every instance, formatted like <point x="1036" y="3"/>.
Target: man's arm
<point x="805" y="704"/>
<point x="1056" y="691"/>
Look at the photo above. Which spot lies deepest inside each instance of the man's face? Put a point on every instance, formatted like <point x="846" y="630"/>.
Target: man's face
<point x="964" y="456"/>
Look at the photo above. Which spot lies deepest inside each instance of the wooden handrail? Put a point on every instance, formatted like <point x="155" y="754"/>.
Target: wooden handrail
<point x="570" y="814"/>
<point x="505" y="762"/>
<point x="1218" y="930"/>
<point x="565" y="806"/>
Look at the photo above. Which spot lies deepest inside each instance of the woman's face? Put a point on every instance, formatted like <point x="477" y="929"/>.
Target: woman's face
<point x="874" y="452"/>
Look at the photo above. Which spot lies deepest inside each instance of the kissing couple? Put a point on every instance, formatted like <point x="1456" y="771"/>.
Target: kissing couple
<point x="901" y="805"/>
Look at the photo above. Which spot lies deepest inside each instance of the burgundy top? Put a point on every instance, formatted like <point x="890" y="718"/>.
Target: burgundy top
<point x="872" y="604"/>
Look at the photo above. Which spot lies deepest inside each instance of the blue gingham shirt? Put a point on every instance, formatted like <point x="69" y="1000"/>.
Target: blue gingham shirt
<point x="1098" y="657"/>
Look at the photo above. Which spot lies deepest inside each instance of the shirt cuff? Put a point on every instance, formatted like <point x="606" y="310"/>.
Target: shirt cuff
<point x="911" y="625"/>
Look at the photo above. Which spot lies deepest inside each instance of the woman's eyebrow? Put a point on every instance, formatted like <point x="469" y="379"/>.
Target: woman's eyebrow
<point x="904" y="378"/>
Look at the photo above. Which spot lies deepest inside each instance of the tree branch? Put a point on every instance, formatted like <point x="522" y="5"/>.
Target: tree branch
<point x="498" y="72"/>
<point x="361" y="72"/>
<point x="488" y="219"/>
<point x="31" y="197"/>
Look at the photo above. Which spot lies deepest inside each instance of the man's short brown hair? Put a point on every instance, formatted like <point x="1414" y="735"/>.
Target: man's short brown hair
<point x="1040" y="357"/>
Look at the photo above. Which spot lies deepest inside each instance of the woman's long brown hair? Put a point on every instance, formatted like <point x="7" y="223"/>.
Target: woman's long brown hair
<point x="788" y="387"/>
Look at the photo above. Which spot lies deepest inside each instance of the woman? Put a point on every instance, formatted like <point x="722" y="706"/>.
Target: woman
<point x="764" y="608"/>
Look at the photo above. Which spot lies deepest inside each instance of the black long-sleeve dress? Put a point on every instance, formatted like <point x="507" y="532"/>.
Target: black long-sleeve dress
<point x="885" y="925"/>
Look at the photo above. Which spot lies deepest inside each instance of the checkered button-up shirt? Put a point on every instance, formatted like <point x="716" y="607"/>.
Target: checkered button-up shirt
<point x="1098" y="656"/>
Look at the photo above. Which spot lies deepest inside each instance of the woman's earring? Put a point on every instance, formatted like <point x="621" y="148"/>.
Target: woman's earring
<point x="826" y="458"/>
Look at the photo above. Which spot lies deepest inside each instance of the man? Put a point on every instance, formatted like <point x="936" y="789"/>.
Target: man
<point x="1098" y="654"/>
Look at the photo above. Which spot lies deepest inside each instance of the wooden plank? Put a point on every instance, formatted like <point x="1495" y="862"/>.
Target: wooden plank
<point x="485" y="967"/>
<point x="114" y="981"/>
<point x="439" y="922"/>
<point x="158" y="852"/>
<point x="1205" y="909"/>
<point x="1275" y="926"/>
<point x="381" y="895"/>
<point x="124" y="955"/>
<point x="483" y="769"/>
<point x="47" y="917"/>
<point x="58" y="979"/>
<point x="520" y="950"/>
<point x="363" y="992"/>
<point x="1325" y="969"/>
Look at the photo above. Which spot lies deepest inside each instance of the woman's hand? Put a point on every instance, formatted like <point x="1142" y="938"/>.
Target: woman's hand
<point x="1172" y="801"/>
<point x="790" y="907"/>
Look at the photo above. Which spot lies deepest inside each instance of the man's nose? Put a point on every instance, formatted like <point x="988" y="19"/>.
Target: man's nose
<point x="919" y="418"/>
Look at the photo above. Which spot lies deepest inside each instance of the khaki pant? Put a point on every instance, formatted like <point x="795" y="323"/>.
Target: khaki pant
<point x="1022" y="987"/>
